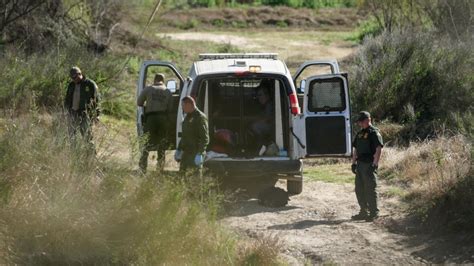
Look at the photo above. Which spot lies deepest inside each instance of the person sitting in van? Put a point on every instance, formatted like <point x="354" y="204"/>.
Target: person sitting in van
<point x="263" y="126"/>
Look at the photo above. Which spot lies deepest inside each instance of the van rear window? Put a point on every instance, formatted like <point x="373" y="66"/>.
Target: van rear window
<point x="326" y="95"/>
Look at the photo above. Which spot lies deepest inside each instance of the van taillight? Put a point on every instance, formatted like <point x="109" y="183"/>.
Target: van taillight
<point x="295" y="108"/>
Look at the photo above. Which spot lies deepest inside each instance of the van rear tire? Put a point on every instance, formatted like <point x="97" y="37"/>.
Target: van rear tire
<point x="294" y="187"/>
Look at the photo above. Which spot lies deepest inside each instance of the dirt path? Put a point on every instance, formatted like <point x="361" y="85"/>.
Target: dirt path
<point x="316" y="227"/>
<point x="290" y="45"/>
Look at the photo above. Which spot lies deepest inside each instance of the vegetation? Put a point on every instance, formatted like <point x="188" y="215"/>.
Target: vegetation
<point x="413" y="71"/>
<point x="437" y="179"/>
<point x="289" y="3"/>
<point x="60" y="205"/>
<point x="331" y="173"/>
<point x="424" y="80"/>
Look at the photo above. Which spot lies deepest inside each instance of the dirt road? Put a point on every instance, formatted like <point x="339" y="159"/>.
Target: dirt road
<point x="316" y="227"/>
<point x="290" y="45"/>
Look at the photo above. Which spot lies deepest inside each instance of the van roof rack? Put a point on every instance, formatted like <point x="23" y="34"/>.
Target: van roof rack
<point x="273" y="56"/>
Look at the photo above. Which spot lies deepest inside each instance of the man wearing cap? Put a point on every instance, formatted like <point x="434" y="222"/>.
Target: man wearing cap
<point x="194" y="139"/>
<point x="81" y="103"/>
<point x="367" y="148"/>
<point x="158" y="103"/>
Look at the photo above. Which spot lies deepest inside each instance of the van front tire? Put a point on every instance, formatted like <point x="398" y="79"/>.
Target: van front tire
<point x="294" y="187"/>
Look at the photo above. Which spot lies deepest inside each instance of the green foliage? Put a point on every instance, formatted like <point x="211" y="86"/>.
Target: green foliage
<point x="40" y="80"/>
<point x="367" y="28"/>
<point x="63" y="206"/>
<point x="418" y="78"/>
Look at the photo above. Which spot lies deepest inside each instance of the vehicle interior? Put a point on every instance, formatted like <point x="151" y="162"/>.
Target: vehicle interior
<point x="242" y="113"/>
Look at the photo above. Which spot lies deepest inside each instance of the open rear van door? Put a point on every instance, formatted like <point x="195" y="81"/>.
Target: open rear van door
<point x="324" y="127"/>
<point x="174" y="81"/>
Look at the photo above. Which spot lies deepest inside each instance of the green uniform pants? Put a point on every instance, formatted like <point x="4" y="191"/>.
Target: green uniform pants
<point x="365" y="187"/>
<point x="156" y="133"/>
<point x="187" y="167"/>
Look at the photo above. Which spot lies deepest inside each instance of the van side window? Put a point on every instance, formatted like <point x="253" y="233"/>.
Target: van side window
<point x="326" y="95"/>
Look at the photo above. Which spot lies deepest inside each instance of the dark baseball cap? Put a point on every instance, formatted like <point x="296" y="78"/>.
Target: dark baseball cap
<point x="362" y="116"/>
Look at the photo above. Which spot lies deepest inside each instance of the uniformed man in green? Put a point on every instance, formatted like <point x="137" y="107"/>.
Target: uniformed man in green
<point x="367" y="149"/>
<point x="194" y="138"/>
<point x="81" y="103"/>
<point x="158" y="103"/>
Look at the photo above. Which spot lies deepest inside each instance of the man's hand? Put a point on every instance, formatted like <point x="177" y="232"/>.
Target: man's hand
<point x="178" y="155"/>
<point x="199" y="159"/>
<point x="354" y="168"/>
<point x="375" y="166"/>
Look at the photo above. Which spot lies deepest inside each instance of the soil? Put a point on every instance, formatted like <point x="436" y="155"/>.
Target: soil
<point x="261" y="17"/>
<point x="316" y="227"/>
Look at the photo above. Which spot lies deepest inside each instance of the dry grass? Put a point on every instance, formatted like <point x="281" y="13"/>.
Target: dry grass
<point x="60" y="205"/>
<point x="263" y="250"/>
<point x="431" y="171"/>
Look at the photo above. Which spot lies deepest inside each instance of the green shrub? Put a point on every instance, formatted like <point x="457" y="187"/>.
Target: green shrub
<point x="63" y="206"/>
<point x="367" y="28"/>
<point x="40" y="80"/>
<point x="421" y="78"/>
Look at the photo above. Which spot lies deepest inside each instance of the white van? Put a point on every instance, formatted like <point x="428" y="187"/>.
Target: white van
<point x="301" y="117"/>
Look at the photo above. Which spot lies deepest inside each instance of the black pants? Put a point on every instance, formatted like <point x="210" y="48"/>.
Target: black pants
<point x="156" y="133"/>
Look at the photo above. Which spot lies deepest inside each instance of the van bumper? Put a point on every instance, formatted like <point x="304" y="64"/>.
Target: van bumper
<point x="255" y="168"/>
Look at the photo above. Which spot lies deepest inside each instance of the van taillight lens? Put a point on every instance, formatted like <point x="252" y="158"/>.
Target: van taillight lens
<point x="295" y="107"/>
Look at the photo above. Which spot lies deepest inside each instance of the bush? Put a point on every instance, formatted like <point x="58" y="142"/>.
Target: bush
<point x="40" y="80"/>
<point x="367" y="28"/>
<point x="62" y="206"/>
<point x="421" y="79"/>
<point x="437" y="175"/>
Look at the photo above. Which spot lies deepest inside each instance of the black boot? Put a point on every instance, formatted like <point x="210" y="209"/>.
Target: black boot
<point x="362" y="215"/>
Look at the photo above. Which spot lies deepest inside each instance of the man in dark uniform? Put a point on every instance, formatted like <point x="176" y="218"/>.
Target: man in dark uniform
<point x="156" y="120"/>
<point x="81" y="103"/>
<point x="367" y="148"/>
<point x="194" y="139"/>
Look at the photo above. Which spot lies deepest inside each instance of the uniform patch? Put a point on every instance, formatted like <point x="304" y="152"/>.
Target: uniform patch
<point x="366" y="135"/>
<point x="87" y="89"/>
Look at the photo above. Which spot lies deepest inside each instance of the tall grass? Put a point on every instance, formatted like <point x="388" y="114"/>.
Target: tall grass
<point x="438" y="178"/>
<point x="62" y="205"/>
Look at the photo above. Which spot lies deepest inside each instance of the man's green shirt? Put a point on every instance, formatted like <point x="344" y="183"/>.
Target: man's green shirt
<point x="195" y="134"/>
<point x="366" y="142"/>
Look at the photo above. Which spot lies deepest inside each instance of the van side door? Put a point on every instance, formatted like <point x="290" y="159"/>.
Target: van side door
<point x="324" y="127"/>
<point x="174" y="82"/>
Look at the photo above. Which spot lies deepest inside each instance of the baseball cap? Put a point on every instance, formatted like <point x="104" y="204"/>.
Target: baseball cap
<point x="363" y="115"/>
<point x="75" y="71"/>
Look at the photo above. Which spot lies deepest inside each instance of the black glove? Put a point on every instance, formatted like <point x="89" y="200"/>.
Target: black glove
<point x="354" y="168"/>
<point x="375" y="167"/>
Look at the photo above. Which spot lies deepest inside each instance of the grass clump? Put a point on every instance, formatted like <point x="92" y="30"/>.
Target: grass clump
<point x="61" y="205"/>
<point x="437" y="175"/>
